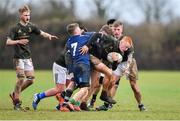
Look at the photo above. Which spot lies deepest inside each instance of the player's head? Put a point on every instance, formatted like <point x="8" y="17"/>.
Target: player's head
<point x="24" y="13"/>
<point x="73" y="29"/>
<point x="117" y="29"/>
<point x="81" y="25"/>
<point x="125" y="43"/>
<point x="106" y="30"/>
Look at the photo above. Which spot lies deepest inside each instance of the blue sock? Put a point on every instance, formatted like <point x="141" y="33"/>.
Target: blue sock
<point x="41" y="95"/>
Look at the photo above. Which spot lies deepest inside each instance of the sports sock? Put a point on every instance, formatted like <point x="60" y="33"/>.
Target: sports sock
<point x="94" y="97"/>
<point x="72" y="101"/>
<point x="41" y="95"/>
<point x="68" y="95"/>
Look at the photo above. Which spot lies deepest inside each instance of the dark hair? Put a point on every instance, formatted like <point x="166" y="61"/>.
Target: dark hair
<point x="111" y="21"/>
<point x="106" y="29"/>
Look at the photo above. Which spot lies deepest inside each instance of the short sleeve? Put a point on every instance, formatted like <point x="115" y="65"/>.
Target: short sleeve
<point x="12" y="34"/>
<point x="35" y="29"/>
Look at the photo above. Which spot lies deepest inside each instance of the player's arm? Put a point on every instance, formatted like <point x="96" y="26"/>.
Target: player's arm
<point x="129" y="61"/>
<point x="15" y="42"/>
<point x="93" y="38"/>
<point x="47" y="35"/>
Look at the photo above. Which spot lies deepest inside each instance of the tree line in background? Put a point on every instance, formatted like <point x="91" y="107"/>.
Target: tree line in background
<point x="157" y="44"/>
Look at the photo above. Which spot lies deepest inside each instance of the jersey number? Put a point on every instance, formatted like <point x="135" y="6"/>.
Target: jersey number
<point x="74" y="46"/>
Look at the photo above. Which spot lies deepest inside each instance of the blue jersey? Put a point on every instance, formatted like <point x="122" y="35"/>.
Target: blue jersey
<point x="74" y="44"/>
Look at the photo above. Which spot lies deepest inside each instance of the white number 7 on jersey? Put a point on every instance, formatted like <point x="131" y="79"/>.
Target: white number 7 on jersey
<point x="74" y="46"/>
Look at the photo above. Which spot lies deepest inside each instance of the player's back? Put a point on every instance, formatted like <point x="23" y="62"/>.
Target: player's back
<point x="74" y="44"/>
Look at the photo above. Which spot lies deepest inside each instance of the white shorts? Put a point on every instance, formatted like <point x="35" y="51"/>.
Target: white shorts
<point x="25" y="64"/>
<point x="120" y="69"/>
<point x="59" y="74"/>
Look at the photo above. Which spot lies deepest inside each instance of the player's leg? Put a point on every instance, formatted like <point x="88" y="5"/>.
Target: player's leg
<point x="15" y="95"/>
<point x="59" y="74"/>
<point x="133" y="76"/>
<point x="96" y="90"/>
<point x="101" y="67"/>
<point x="29" y="72"/>
<point x="82" y="78"/>
<point x="94" y="96"/>
<point x="93" y="86"/>
<point x="112" y="87"/>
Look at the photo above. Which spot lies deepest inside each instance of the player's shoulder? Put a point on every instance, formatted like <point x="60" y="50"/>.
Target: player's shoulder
<point x="32" y="24"/>
<point x="15" y="27"/>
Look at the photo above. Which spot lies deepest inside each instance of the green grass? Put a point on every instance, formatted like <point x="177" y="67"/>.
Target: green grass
<point x="160" y="90"/>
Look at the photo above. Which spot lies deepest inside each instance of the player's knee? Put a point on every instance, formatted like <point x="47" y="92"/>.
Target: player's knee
<point x="20" y="76"/>
<point x="30" y="79"/>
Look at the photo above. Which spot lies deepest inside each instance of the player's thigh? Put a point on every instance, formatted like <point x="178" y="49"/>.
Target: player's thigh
<point x="19" y="67"/>
<point x="28" y="65"/>
<point x="133" y="75"/>
<point x="94" y="78"/>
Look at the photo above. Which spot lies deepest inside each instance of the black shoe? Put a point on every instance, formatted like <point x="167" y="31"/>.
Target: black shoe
<point x="18" y="107"/>
<point x="110" y="106"/>
<point x="108" y="100"/>
<point x="142" y="107"/>
<point x="102" y="108"/>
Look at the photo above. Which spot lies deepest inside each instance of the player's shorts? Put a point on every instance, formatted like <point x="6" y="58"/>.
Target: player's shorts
<point x="24" y="64"/>
<point x="59" y="74"/>
<point x="133" y="71"/>
<point x="82" y="75"/>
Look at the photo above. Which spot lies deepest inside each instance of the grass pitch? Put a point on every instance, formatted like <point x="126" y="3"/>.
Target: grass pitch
<point x="160" y="90"/>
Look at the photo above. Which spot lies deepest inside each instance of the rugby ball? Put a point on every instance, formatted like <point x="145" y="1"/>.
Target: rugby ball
<point x="117" y="57"/>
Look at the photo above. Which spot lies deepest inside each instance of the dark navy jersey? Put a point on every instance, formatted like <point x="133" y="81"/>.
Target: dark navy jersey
<point x="23" y="32"/>
<point x="74" y="44"/>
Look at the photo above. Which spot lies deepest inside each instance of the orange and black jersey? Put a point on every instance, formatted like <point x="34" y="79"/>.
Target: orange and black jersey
<point x="23" y="32"/>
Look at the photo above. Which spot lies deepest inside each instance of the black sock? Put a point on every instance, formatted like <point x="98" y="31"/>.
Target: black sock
<point x="68" y="95"/>
<point x="101" y="80"/>
<point x="94" y="97"/>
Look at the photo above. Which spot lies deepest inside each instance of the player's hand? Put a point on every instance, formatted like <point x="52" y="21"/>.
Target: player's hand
<point x="114" y="56"/>
<point x="83" y="50"/>
<point x="53" y="36"/>
<point x="23" y="41"/>
<point x="127" y="72"/>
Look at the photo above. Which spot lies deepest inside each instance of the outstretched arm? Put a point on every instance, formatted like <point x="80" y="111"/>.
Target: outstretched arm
<point x="47" y="35"/>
